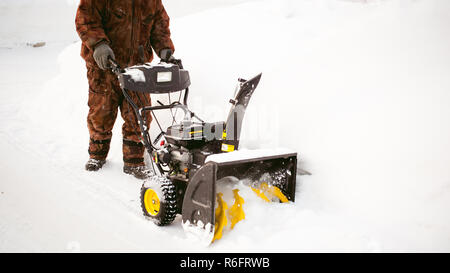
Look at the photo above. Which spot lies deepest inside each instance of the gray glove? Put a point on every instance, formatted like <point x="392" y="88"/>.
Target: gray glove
<point x="166" y="55"/>
<point x="102" y="53"/>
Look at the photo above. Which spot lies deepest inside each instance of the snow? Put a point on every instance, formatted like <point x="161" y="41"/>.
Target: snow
<point x="136" y="75"/>
<point x="198" y="233"/>
<point x="359" y="90"/>
<point x="244" y="154"/>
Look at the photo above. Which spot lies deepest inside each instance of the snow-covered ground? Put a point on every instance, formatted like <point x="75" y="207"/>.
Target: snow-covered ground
<point x="361" y="89"/>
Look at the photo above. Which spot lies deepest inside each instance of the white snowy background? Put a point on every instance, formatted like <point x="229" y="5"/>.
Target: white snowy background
<point x="360" y="89"/>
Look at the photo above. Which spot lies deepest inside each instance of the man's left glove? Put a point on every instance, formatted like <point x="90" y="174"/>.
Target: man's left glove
<point x="166" y="55"/>
<point x="102" y="53"/>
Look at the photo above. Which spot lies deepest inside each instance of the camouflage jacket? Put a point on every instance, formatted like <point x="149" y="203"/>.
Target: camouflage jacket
<point x="126" y="25"/>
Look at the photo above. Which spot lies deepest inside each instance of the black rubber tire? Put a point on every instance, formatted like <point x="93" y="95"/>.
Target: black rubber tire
<point x="166" y="192"/>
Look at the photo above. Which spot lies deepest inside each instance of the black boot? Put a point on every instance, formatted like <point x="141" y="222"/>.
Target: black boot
<point x="140" y="172"/>
<point x="94" y="165"/>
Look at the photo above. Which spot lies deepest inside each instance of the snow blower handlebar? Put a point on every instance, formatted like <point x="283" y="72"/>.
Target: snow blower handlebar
<point x="139" y="79"/>
<point x="115" y="67"/>
<point x="180" y="81"/>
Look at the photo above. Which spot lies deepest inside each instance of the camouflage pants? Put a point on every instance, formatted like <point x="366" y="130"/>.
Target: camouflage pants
<point x="105" y="99"/>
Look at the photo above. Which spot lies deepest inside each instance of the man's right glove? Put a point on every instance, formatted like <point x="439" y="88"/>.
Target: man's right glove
<point x="166" y="55"/>
<point x="102" y="53"/>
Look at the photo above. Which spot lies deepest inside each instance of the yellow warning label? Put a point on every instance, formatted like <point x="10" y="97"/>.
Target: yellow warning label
<point x="227" y="148"/>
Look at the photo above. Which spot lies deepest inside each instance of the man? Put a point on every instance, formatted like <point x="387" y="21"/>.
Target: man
<point x="127" y="31"/>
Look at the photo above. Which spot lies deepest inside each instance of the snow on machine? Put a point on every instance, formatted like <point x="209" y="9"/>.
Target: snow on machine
<point x="191" y="155"/>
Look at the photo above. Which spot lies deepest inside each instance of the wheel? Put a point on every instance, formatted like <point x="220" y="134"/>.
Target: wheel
<point x="158" y="200"/>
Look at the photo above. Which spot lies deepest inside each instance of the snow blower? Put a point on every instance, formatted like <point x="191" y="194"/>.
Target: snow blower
<point x="191" y="155"/>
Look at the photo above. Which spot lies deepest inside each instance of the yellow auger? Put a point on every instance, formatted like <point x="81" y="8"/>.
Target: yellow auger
<point x="269" y="193"/>
<point x="236" y="212"/>
<point x="221" y="217"/>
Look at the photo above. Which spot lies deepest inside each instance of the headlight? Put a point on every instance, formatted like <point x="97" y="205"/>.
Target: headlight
<point x="164" y="77"/>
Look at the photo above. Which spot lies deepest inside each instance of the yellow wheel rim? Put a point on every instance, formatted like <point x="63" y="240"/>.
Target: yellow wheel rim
<point x="151" y="202"/>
